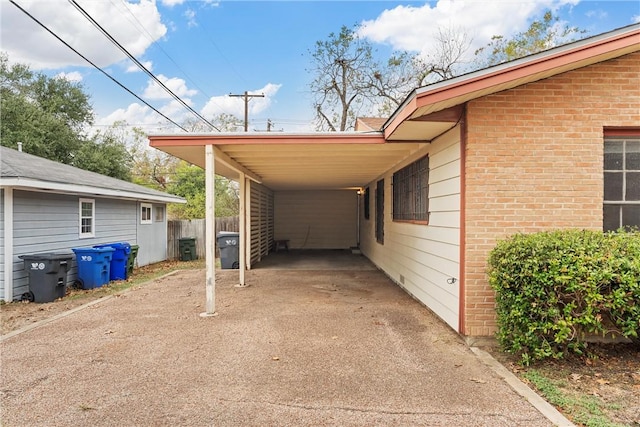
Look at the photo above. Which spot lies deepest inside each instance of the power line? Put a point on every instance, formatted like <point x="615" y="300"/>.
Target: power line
<point x="139" y="64"/>
<point x="149" y="37"/>
<point x="94" y="65"/>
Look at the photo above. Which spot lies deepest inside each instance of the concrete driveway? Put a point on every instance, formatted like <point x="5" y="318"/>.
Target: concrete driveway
<point x="297" y="347"/>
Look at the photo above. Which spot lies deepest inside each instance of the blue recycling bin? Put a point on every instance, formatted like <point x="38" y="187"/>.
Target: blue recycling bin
<point x="94" y="266"/>
<point x="118" y="267"/>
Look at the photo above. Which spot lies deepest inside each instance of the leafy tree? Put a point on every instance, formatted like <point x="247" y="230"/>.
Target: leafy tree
<point x="48" y="115"/>
<point x="542" y="34"/>
<point x="189" y="182"/>
<point x="106" y="153"/>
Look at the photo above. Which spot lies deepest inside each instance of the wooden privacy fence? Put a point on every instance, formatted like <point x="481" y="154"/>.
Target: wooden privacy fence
<point x="177" y="229"/>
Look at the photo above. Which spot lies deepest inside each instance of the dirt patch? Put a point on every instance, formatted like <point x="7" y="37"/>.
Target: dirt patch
<point x="16" y="315"/>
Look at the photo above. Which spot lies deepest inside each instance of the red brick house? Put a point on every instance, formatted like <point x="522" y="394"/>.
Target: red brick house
<point x="544" y="142"/>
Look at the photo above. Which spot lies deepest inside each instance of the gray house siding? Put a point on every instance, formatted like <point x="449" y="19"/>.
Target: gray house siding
<point x="153" y="235"/>
<point x="46" y="222"/>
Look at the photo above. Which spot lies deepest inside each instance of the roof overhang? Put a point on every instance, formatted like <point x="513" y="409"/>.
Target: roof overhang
<point x="284" y="161"/>
<point x="418" y="117"/>
<point x="83" y="190"/>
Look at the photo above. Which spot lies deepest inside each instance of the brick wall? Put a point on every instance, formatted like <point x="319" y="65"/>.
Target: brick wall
<point x="534" y="162"/>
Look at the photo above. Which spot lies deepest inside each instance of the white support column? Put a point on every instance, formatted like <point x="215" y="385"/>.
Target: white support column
<point x="8" y="244"/>
<point x="210" y="225"/>
<point x="247" y="223"/>
<point x="243" y="230"/>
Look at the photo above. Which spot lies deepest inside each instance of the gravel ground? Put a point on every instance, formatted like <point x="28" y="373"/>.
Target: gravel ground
<point x="300" y="348"/>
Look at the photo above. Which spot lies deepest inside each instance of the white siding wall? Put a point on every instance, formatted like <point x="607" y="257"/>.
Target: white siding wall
<point x="423" y="258"/>
<point x="316" y="219"/>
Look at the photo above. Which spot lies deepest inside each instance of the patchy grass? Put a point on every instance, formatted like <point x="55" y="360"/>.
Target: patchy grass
<point x="601" y="389"/>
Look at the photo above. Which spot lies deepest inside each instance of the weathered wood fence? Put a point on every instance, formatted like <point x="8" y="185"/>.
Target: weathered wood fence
<point x="177" y="229"/>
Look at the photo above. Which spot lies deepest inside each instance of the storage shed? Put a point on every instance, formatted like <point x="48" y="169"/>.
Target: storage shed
<point x="47" y="206"/>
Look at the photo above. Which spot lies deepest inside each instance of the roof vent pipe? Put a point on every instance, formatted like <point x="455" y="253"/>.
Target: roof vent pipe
<point x="20" y="147"/>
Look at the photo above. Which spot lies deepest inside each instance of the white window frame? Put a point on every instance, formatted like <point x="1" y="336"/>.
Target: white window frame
<point x="143" y="217"/>
<point x="92" y="233"/>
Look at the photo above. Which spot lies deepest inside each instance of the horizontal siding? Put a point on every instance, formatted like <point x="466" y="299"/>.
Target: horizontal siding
<point x="423" y="259"/>
<point x="45" y="222"/>
<point x="316" y="219"/>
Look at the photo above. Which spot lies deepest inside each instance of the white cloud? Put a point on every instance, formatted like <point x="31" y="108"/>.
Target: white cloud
<point x="635" y="19"/>
<point x="73" y="76"/>
<point x="171" y="3"/>
<point x="177" y="86"/>
<point x="235" y="106"/>
<point x="133" y="68"/>
<point x="415" y="29"/>
<point x="135" y="25"/>
<point x="190" y="14"/>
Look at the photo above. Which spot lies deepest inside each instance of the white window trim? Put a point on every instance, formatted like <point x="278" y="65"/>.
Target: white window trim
<point x="93" y="219"/>
<point x="147" y="206"/>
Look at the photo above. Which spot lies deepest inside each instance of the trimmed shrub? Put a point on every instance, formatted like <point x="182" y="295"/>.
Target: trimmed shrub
<point x="555" y="289"/>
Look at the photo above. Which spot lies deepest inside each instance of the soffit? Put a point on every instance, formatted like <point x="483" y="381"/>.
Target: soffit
<point x="284" y="164"/>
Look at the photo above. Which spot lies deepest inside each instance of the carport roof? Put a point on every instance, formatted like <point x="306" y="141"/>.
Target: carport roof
<point x="304" y="161"/>
<point x="354" y="159"/>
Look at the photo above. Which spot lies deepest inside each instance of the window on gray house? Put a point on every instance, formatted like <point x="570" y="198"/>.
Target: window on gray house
<point x="621" y="182"/>
<point x="159" y="217"/>
<point x="87" y="218"/>
<point x="411" y="192"/>
<point x="145" y="213"/>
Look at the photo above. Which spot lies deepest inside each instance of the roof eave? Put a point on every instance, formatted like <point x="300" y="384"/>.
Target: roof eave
<point x="63" y="188"/>
<point x="461" y="89"/>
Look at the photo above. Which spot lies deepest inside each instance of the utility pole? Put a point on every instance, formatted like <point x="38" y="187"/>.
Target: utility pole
<point x="247" y="98"/>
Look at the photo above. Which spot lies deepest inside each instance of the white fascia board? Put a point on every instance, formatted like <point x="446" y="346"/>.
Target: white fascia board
<point x="63" y="188"/>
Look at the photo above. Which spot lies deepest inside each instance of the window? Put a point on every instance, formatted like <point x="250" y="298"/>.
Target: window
<point x="159" y="217"/>
<point x="411" y="192"/>
<point x="367" y="201"/>
<point x="380" y="211"/>
<point x="621" y="182"/>
<point x="145" y="213"/>
<point x="87" y="218"/>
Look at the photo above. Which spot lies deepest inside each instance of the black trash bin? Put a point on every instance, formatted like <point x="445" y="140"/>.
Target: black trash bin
<point x="229" y="246"/>
<point x="47" y="275"/>
<point x="187" y="248"/>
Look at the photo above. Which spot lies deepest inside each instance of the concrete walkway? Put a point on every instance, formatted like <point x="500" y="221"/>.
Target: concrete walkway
<point x="298" y="348"/>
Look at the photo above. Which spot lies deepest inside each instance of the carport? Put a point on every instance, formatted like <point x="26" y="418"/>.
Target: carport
<point x="286" y="176"/>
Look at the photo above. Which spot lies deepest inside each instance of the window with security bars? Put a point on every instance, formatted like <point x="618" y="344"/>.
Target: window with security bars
<point x="411" y="192"/>
<point x="621" y="206"/>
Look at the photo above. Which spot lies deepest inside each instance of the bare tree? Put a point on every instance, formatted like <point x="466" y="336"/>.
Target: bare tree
<point x="349" y="81"/>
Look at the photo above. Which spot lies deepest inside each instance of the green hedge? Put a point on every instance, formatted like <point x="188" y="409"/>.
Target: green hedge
<point x="556" y="288"/>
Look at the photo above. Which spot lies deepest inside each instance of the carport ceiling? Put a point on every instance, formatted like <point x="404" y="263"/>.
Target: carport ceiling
<point x="294" y="162"/>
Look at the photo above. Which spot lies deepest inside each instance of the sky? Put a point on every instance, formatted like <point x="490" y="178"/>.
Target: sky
<point x="205" y="50"/>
